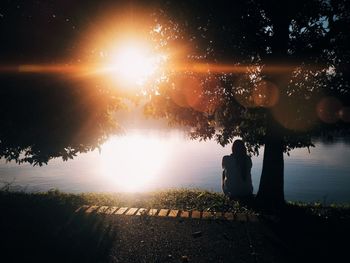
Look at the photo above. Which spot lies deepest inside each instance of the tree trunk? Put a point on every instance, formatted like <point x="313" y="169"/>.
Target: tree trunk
<point x="271" y="188"/>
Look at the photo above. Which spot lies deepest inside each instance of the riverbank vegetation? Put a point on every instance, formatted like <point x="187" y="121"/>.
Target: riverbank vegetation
<point x="182" y="199"/>
<point x="44" y="227"/>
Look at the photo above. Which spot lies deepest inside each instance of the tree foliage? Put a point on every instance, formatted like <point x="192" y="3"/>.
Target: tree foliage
<point x="290" y="63"/>
<point x="291" y="59"/>
<point x="43" y="118"/>
<point x="273" y="73"/>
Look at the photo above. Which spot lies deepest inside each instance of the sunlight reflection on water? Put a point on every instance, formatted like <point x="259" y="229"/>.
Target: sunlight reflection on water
<point x="147" y="160"/>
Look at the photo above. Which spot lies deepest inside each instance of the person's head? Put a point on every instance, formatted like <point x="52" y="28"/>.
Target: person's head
<point x="238" y="148"/>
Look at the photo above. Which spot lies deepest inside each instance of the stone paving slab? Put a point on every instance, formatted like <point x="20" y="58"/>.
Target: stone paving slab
<point x="228" y="216"/>
<point x="131" y="211"/>
<point x="218" y="215"/>
<point x="81" y="208"/>
<point x="111" y="210"/>
<point x="207" y="215"/>
<point x="91" y="209"/>
<point x="196" y="214"/>
<point x="101" y="209"/>
<point x="185" y="214"/>
<point x="141" y="211"/>
<point x="163" y="212"/>
<point x="171" y="213"/>
<point x="121" y="210"/>
<point x="152" y="212"/>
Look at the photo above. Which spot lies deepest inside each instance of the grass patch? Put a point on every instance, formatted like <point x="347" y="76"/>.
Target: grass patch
<point x="183" y="199"/>
<point x="43" y="226"/>
<point x="317" y="209"/>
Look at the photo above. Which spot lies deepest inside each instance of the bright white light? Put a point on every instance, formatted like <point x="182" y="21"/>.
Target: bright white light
<point x="133" y="163"/>
<point x="134" y="63"/>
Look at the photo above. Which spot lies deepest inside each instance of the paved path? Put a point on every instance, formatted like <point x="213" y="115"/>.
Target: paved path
<point x="171" y="213"/>
<point x="162" y="235"/>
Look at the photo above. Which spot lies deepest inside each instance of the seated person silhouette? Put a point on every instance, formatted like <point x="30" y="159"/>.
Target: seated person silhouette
<point x="236" y="176"/>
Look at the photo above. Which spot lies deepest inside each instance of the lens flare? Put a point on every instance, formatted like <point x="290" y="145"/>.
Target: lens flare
<point x="329" y="109"/>
<point x="265" y="94"/>
<point x="133" y="63"/>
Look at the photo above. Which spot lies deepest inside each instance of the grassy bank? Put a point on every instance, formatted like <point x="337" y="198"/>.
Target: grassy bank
<point x="182" y="199"/>
<point x="44" y="227"/>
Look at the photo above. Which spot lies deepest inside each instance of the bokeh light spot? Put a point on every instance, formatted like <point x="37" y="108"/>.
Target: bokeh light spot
<point x="265" y="94"/>
<point x="344" y="114"/>
<point x="186" y="91"/>
<point x="328" y="110"/>
<point x="296" y="113"/>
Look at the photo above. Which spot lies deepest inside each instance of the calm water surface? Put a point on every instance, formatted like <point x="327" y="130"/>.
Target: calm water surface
<point x="145" y="160"/>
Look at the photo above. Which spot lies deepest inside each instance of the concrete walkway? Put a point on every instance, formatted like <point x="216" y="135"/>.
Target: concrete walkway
<point x="164" y="235"/>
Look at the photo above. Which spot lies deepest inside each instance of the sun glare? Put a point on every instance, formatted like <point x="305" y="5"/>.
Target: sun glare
<point x="133" y="163"/>
<point x="134" y="63"/>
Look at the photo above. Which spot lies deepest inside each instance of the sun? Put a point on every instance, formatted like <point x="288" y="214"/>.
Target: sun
<point x="134" y="63"/>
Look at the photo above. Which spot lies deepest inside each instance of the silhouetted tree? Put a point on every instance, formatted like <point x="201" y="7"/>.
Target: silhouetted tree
<point x="290" y="81"/>
<point x="44" y="116"/>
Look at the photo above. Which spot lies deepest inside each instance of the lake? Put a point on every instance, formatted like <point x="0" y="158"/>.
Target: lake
<point x="145" y="160"/>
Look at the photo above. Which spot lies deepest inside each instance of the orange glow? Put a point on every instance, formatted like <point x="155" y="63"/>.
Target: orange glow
<point x="126" y="46"/>
<point x="194" y="92"/>
<point x="301" y="118"/>
<point x="50" y="69"/>
<point x="203" y="68"/>
<point x="200" y="68"/>
<point x="186" y="91"/>
<point x="265" y="94"/>
<point x="329" y="110"/>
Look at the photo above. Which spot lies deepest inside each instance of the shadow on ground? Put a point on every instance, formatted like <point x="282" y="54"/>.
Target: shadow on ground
<point x="312" y="237"/>
<point x="41" y="228"/>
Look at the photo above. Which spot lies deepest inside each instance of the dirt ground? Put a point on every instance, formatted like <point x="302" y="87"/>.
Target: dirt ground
<point x="48" y="231"/>
<point x="154" y="239"/>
